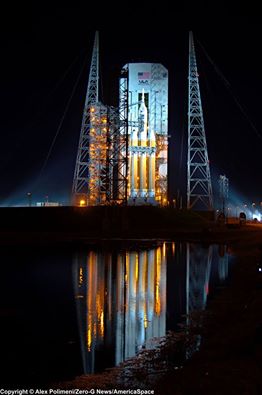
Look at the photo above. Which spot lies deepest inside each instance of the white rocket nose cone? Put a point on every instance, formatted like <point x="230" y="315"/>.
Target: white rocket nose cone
<point x="143" y="96"/>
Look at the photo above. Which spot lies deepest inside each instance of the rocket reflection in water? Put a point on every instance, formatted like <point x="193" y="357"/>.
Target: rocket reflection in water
<point x="126" y="299"/>
<point x="121" y="303"/>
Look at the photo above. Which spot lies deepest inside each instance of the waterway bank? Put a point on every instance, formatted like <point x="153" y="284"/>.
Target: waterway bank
<point x="80" y="226"/>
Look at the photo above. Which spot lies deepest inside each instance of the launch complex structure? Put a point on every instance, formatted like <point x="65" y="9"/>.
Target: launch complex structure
<point x="122" y="155"/>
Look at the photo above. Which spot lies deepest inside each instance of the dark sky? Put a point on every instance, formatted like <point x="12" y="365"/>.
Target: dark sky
<point x="44" y="47"/>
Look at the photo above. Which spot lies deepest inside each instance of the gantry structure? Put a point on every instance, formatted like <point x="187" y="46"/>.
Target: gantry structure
<point x="101" y="163"/>
<point x="199" y="187"/>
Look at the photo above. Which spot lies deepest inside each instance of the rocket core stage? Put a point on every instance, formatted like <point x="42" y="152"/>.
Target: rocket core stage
<point x="142" y="159"/>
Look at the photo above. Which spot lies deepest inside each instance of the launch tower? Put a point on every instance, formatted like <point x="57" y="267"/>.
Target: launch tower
<point x="99" y="176"/>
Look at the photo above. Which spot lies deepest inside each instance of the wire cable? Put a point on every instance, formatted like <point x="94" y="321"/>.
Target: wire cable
<point x="61" y="122"/>
<point x="229" y="88"/>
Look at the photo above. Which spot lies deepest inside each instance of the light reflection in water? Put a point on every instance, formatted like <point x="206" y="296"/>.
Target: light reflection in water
<point x="198" y="274"/>
<point x="124" y="299"/>
<point x="121" y="302"/>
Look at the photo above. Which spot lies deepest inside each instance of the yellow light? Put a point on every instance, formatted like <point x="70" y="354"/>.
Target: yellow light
<point x="164" y="249"/>
<point x="80" y="276"/>
<point x="89" y="339"/>
<point x="145" y="321"/>
<point x="102" y="328"/>
<point x="82" y="203"/>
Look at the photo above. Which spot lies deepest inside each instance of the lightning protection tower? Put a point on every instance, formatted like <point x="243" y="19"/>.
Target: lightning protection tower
<point x="199" y="188"/>
<point x="81" y="175"/>
<point x="96" y="171"/>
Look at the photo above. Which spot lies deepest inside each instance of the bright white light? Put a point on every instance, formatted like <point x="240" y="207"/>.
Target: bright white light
<point x="257" y="216"/>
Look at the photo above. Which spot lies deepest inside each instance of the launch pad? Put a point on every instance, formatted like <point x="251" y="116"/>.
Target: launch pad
<point x="123" y="152"/>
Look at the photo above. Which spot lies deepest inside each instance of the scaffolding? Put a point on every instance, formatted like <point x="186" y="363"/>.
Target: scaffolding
<point x="101" y="166"/>
<point x="103" y="125"/>
<point x="121" y="146"/>
<point x="161" y="161"/>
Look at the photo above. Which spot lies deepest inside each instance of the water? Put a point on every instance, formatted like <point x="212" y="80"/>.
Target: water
<point x="64" y="313"/>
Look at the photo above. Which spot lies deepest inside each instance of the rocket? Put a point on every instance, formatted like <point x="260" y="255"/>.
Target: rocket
<point x="142" y="130"/>
<point x="152" y="165"/>
<point x="143" y="121"/>
<point x="143" y="157"/>
<point x="134" y="163"/>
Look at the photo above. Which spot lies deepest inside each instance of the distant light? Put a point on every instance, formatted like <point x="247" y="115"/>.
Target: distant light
<point x="260" y="269"/>
<point x="82" y="203"/>
<point x="256" y="216"/>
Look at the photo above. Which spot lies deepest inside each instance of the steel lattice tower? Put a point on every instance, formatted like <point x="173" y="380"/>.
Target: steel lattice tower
<point x="101" y="166"/>
<point x="199" y="188"/>
<point x="81" y="175"/>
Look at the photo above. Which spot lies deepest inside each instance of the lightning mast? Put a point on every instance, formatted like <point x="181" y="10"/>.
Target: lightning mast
<point x="82" y="175"/>
<point x="199" y="188"/>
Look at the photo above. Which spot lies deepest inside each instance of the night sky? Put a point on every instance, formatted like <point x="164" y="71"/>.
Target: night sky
<point x="44" y="48"/>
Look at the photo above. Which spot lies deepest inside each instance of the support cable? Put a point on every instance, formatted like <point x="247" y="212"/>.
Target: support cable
<point x="229" y="88"/>
<point x="61" y="121"/>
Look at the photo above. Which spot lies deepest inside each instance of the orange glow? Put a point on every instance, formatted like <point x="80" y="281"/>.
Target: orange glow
<point x="157" y="282"/>
<point x="91" y="261"/>
<point x="102" y="326"/>
<point x="82" y="203"/>
<point x="80" y="277"/>
<point x="89" y="339"/>
<point x="136" y="267"/>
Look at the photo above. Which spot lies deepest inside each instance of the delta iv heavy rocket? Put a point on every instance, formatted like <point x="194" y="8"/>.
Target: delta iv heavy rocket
<point x="143" y="155"/>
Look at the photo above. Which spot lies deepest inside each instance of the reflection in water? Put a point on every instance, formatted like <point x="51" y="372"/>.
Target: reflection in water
<point x="198" y="274"/>
<point x="124" y="299"/>
<point x="222" y="263"/>
<point x="121" y="303"/>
